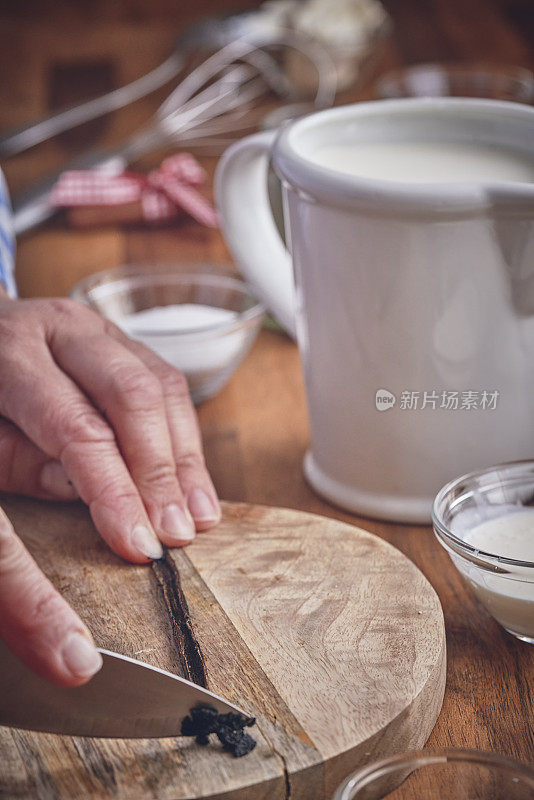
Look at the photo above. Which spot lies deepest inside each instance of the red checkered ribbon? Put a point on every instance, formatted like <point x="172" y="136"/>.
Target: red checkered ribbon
<point x="162" y="193"/>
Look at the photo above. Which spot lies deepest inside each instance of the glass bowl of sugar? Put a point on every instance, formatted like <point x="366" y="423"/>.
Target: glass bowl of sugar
<point x="485" y="520"/>
<point x="202" y="323"/>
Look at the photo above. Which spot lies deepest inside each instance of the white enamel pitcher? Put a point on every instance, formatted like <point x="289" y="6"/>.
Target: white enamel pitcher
<point x="413" y="304"/>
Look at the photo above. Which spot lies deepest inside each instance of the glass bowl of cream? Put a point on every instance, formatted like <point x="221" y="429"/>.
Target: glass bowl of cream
<point x="448" y="773"/>
<point x="203" y="324"/>
<point x="485" y="520"/>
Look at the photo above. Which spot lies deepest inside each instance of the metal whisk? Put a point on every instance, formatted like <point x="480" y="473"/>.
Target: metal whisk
<point x="211" y="107"/>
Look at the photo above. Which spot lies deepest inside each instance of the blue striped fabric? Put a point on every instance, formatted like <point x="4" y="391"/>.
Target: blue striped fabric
<point x="7" y="241"/>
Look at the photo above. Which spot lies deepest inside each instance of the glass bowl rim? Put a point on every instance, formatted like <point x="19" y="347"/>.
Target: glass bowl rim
<point x="426" y="757"/>
<point x="460" y="546"/>
<point x="164" y="271"/>
<point x="523" y="75"/>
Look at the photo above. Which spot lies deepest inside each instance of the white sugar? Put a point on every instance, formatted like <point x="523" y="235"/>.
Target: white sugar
<point x="184" y="317"/>
<point x="187" y="337"/>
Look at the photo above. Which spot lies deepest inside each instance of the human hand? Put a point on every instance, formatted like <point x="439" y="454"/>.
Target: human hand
<point x="85" y="411"/>
<point x="36" y="623"/>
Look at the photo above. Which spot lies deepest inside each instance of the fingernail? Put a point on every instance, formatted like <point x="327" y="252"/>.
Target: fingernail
<point x="54" y="480"/>
<point x="146" y="542"/>
<point x="202" y="507"/>
<point x="80" y="656"/>
<point x="177" y="524"/>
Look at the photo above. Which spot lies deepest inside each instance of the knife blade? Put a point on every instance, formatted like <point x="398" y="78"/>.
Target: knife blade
<point x="125" y="699"/>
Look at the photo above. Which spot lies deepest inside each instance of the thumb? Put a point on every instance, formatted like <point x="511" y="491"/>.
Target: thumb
<point x="25" y="469"/>
<point x="36" y="623"/>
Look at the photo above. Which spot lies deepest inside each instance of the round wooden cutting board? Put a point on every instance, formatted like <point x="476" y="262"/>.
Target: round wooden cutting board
<point x="328" y="635"/>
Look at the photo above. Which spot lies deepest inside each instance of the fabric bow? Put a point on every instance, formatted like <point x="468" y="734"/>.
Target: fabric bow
<point x="162" y="194"/>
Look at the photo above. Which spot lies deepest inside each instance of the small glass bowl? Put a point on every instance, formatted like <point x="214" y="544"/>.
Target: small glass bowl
<point x="208" y="353"/>
<point x="458" y="80"/>
<point x="448" y="774"/>
<point x="505" y="586"/>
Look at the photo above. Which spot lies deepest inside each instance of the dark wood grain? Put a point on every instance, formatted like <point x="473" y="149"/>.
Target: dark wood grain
<point x="73" y="81"/>
<point x="255" y="431"/>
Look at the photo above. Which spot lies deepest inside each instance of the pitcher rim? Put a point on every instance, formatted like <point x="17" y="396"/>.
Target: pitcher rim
<point x="386" y="197"/>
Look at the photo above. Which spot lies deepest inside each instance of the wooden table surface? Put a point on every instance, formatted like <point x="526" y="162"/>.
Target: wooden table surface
<point x="255" y="431"/>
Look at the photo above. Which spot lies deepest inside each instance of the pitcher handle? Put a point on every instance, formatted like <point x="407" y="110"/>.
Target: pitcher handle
<point x="249" y="228"/>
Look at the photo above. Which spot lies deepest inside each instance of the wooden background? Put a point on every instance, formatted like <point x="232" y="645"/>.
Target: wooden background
<point x="255" y="431"/>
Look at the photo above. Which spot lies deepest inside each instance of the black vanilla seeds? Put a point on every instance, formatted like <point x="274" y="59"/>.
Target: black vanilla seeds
<point x="204" y="720"/>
